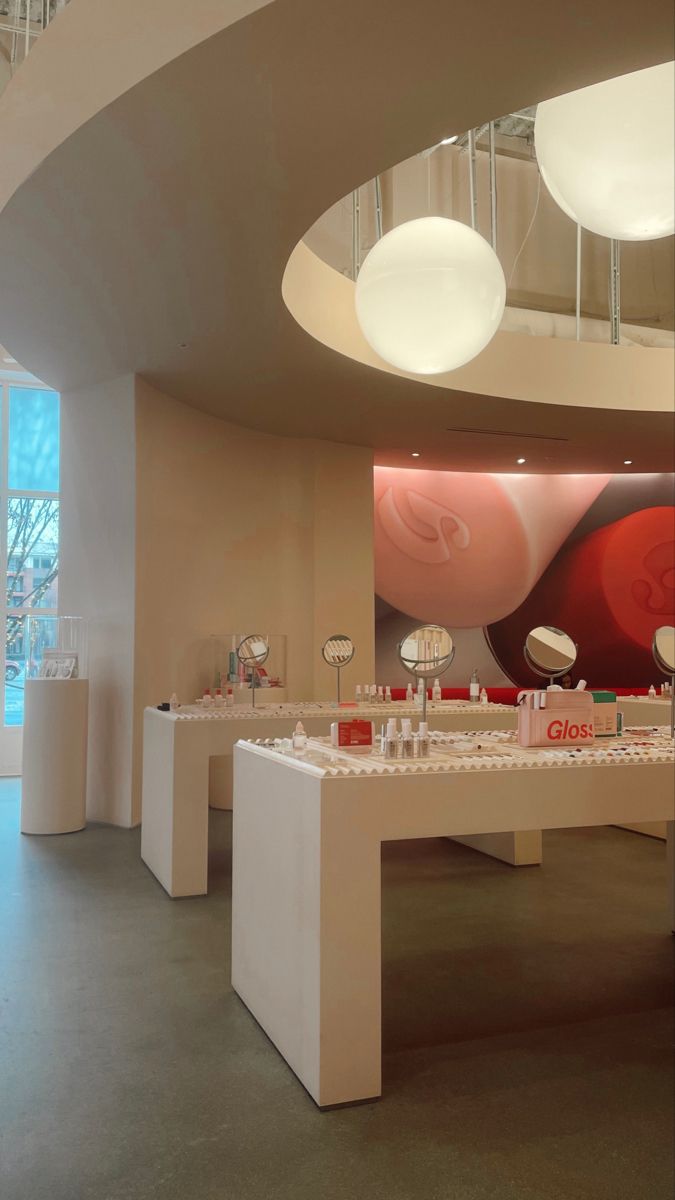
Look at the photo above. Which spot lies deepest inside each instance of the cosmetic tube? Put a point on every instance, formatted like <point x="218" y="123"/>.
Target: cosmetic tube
<point x="357" y="696"/>
<point x="387" y="694"/>
<point x="423" y="740"/>
<point x="409" y="693"/>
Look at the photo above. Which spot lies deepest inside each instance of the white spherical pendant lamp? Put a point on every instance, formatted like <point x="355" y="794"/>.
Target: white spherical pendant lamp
<point x="430" y="295"/>
<point x="606" y="154"/>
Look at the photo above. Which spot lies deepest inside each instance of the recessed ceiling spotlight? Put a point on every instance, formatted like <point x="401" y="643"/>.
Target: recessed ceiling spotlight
<point x="627" y="462"/>
<point x="415" y="454"/>
<point x="520" y="461"/>
<point x="449" y="141"/>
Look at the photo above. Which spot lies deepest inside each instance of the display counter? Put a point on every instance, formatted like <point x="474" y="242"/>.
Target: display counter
<point x="644" y="710"/>
<point x="306" y="939"/>
<point x="187" y="765"/>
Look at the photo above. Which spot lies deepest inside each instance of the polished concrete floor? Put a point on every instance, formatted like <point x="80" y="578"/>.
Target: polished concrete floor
<point x="527" y="1032"/>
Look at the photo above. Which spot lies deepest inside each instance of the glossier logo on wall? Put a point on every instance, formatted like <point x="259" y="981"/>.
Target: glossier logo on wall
<point x="430" y="533"/>
<point x="561" y="730"/>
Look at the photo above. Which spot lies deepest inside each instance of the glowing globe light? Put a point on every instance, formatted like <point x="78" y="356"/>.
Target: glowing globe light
<point x="430" y="295"/>
<point x="606" y="154"/>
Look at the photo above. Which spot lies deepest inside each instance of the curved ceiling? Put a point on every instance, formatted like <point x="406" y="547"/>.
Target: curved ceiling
<point x="149" y="231"/>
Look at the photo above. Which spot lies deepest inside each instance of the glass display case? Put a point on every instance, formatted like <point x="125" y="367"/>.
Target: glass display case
<point x="56" y="647"/>
<point x="229" y="672"/>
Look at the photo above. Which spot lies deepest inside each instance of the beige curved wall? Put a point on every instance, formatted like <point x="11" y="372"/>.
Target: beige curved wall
<point x="513" y="365"/>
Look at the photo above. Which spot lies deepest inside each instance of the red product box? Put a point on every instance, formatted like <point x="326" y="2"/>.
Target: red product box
<point x="355" y="733"/>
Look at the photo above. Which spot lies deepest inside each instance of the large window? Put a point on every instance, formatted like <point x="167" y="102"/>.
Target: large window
<point x="29" y="504"/>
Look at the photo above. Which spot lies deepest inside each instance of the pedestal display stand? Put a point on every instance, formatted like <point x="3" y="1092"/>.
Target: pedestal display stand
<point x="53" y="794"/>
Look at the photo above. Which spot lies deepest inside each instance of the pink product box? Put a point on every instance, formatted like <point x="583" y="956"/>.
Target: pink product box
<point x="567" y="720"/>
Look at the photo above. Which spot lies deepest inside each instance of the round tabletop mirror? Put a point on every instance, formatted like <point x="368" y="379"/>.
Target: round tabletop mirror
<point x="549" y="651"/>
<point x="252" y="652"/>
<point x="426" y="652"/>
<point x="663" y="649"/>
<point x="338" y="651"/>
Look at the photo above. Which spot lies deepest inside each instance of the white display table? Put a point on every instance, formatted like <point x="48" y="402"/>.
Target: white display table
<point x="306" y="941"/>
<point x="187" y="764"/>
<point x="54" y="773"/>
<point x="644" y="710"/>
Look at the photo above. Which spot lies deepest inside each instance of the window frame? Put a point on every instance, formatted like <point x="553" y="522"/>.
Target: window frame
<point x="6" y="495"/>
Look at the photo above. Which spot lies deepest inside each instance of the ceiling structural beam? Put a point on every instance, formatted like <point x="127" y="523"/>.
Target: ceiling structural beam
<point x="473" y="193"/>
<point x="615" y="291"/>
<point x="493" y="185"/>
<point x="378" y="208"/>
<point x="356" y="233"/>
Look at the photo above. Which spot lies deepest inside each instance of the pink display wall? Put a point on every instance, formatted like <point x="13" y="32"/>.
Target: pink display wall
<point x="491" y="556"/>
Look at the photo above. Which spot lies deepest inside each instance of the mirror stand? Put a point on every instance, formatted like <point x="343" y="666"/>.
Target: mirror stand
<point x="252" y="652"/>
<point x="338" y="651"/>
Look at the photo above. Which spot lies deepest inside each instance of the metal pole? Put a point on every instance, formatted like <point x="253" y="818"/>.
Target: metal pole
<point x="615" y="291"/>
<point x="493" y="186"/>
<point x="26" y="47"/>
<point x="578" y="283"/>
<point x="356" y="233"/>
<point x="473" y="197"/>
<point x="378" y="208"/>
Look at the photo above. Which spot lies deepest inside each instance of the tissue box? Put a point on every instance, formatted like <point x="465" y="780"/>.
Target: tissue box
<point x="567" y="720"/>
<point x="605" y="711"/>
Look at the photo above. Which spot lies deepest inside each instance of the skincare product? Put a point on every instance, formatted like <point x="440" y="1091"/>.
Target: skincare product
<point x="173" y="702"/>
<point x="299" y="739"/>
<point x="483" y="696"/>
<point x="581" y="686"/>
<point x="652" y="691"/>
<point x="380" y="695"/>
<point x="419" y="694"/>
<point x="358" y="693"/>
<point x="436" y="690"/>
<point x="406" y="738"/>
<point x="229" y="699"/>
<point x="392" y="739"/>
<point x="373" y="693"/>
<point x="423" y="740"/>
<point x="387" y="694"/>
<point x="409" y="693"/>
<point x="474" y="685"/>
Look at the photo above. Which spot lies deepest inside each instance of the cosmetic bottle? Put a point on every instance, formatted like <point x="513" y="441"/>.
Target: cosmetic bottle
<point x="229" y="699"/>
<point x="392" y="739"/>
<point x="373" y="693"/>
<point x="380" y="695"/>
<point x="436" y="690"/>
<point x="387" y="694"/>
<point x="406" y="738"/>
<point x="419" y="694"/>
<point x="206" y="699"/>
<point x="232" y="667"/>
<point x="652" y="691"/>
<point x="357" y="695"/>
<point x="483" y="696"/>
<point x="299" y="739"/>
<point x="423" y="740"/>
<point x="581" y="686"/>
<point x="474" y="685"/>
<point x="409" y="693"/>
<point x="173" y="702"/>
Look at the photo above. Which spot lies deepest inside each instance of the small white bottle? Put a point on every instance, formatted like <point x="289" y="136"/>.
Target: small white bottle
<point x="652" y="691"/>
<point x="299" y="739"/>
<point x="423" y="740"/>
<point x="436" y="693"/>
<point x="392" y="739"/>
<point x="229" y="698"/>
<point x="419" y="694"/>
<point x="206" y="699"/>
<point x="407" y="745"/>
<point x="387" y="694"/>
<point x="380" y="695"/>
<point x="173" y="702"/>
<point x="373" y="693"/>
<point x="474" y="686"/>
<point x="357" y="696"/>
<point x="409" y="693"/>
<point x="483" y="696"/>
